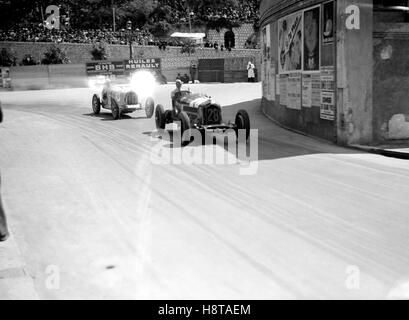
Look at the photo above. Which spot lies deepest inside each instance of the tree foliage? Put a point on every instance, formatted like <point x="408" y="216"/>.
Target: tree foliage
<point x="55" y="55"/>
<point x="7" y="58"/>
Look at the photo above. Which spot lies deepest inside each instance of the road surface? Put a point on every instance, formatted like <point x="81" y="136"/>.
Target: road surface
<point x="93" y="216"/>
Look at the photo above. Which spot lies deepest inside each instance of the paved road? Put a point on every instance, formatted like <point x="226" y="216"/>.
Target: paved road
<point x="93" y="216"/>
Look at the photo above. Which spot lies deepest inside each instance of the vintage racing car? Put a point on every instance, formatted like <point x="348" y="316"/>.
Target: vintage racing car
<point x="126" y="95"/>
<point x="200" y="112"/>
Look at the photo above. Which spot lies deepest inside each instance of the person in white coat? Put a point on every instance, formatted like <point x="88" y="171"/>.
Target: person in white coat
<point x="250" y="71"/>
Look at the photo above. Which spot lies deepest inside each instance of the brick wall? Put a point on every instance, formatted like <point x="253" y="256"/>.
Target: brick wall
<point x="241" y="35"/>
<point x="171" y="58"/>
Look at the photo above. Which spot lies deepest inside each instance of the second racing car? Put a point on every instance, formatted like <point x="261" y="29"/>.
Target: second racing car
<point x="126" y="95"/>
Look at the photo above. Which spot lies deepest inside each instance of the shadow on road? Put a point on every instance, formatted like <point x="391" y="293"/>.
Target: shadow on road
<point x="274" y="142"/>
<point x="107" y="116"/>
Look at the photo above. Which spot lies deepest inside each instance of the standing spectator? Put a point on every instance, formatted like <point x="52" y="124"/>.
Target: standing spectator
<point x="4" y="233"/>
<point x="193" y="69"/>
<point x="250" y="71"/>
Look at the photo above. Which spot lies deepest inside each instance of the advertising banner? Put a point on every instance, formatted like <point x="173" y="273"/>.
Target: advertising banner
<point x="105" y="68"/>
<point x="142" y="64"/>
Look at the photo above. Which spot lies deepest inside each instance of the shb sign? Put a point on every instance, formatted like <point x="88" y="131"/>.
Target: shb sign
<point x="53" y="19"/>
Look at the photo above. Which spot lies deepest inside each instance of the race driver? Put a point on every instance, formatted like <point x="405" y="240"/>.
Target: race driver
<point x="175" y="94"/>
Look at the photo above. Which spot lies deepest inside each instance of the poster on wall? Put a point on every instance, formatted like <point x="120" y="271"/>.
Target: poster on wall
<point x="327" y="106"/>
<point x="312" y="39"/>
<point x="290" y="43"/>
<point x="328" y="23"/>
<point x="272" y="82"/>
<point x="294" y="91"/>
<point x="264" y="42"/>
<point x="307" y="90"/>
<point x="315" y="90"/>
<point x="268" y="41"/>
<point x="283" y="89"/>
<point x="267" y="78"/>
<point x="327" y="79"/>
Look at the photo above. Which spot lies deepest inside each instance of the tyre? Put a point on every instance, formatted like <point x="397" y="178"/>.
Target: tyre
<point x="242" y="122"/>
<point x="116" y="113"/>
<point x="160" y="117"/>
<point x="168" y="116"/>
<point x="149" y="107"/>
<point x="96" y="104"/>
<point x="184" y="126"/>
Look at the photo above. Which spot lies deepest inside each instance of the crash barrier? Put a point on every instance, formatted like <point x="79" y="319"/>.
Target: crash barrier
<point x="48" y="77"/>
<point x="75" y="76"/>
<point x="226" y="70"/>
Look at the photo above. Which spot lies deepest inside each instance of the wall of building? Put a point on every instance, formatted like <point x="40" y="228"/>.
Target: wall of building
<point x="292" y="95"/>
<point x="391" y="81"/>
<point x="342" y="92"/>
<point x="354" y="72"/>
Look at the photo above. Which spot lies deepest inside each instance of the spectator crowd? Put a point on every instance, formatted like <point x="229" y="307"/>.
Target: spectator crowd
<point x="41" y="34"/>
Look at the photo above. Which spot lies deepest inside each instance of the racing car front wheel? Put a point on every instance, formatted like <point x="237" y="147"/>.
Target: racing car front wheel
<point x="184" y="128"/>
<point x="96" y="104"/>
<point x="160" y="117"/>
<point x="116" y="113"/>
<point x="149" y="107"/>
<point x="243" y="123"/>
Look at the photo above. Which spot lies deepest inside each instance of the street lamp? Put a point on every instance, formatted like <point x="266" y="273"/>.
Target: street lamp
<point x="129" y="28"/>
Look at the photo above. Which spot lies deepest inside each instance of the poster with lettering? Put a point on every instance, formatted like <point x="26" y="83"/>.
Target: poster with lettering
<point x="328" y="23"/>
<point x="312" y="39"/>
<point x="307" y="90"/>
<point x="327" y="79"/>
<point x="327" y="106"/>
<point x="294" y="91"/>
<point x="316" y="89"/>
<point x="272" y="83"/>
<point x="264" y="42"/>
<point x="290" y="43"/>
<point x="142" y="64"/>
<point x="283" y="89"/>
<point x="268" y="79"/>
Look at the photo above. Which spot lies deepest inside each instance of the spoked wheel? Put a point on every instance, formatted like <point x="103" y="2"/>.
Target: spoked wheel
<point x="160" y="117"/>
<point x="96" y="104"/>
<point x="149" y="107"/>
<point x="242" y="123"/>
<point x="184" y="127"/>
<point x="116" y="113"/>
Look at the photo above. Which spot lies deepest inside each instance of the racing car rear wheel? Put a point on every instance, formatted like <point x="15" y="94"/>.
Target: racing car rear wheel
<point x="96" y="104"/>
<point x="242" y="123"/>
<point x="160" y="117"/>
<point x="184" y="127"/>
<point x="168" y="116"/>
<point x="149" y="107"/>
<point x="116" y="113"/>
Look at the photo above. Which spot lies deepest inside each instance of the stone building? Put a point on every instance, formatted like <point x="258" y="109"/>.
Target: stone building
<point x="337" y="69"/>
